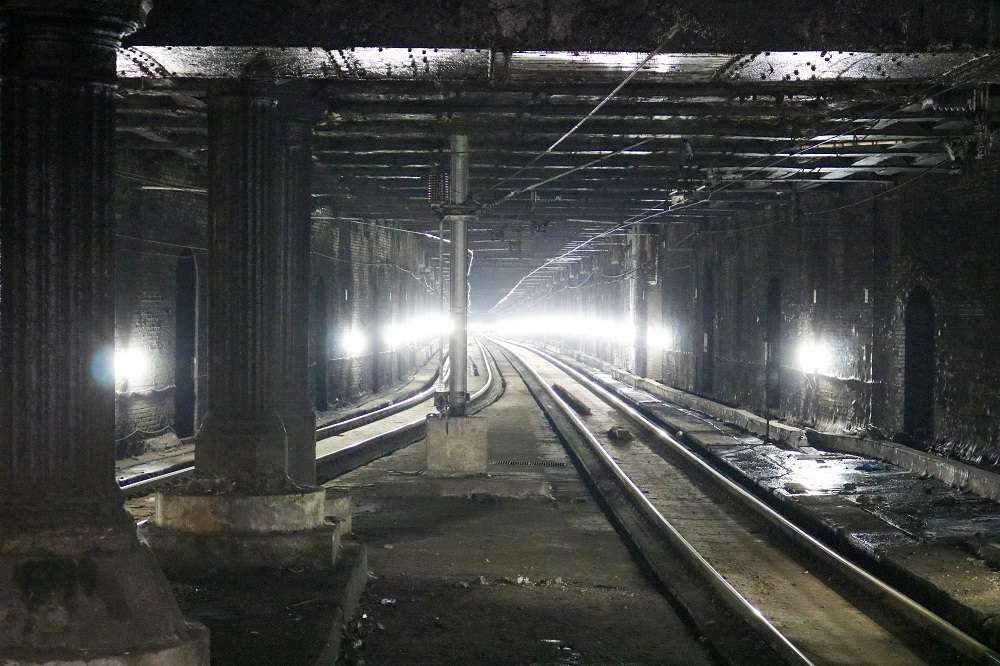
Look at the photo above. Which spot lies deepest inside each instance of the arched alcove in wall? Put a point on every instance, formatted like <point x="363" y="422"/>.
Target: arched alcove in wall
<point x="706" y="381"/>
<point x="918" y="365"/>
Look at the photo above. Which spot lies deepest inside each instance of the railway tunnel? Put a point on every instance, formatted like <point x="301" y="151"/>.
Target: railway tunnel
<point x="763" y="232"/>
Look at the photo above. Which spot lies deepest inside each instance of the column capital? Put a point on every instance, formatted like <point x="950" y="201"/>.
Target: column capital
<point x="247" y="87"/>
<point x="66" y="40"/>
<point x="131" y="14"/>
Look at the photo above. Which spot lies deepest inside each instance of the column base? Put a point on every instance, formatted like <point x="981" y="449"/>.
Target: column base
<point x="196" y="532"/>
<point x="194" y="651"/>
<point x="183" y="553"/>
<point x="101" y="606"/>
<point x="338" y="509"/>
<point x="300" y="428"/>
<point x="456" y="446"/>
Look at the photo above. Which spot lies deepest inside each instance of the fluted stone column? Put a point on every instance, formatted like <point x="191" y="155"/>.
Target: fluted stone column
<point x="76" y="585"/>
<point x="295" y="407"/>
<point x="252" y="503"/>
<point x="242" y="439"/>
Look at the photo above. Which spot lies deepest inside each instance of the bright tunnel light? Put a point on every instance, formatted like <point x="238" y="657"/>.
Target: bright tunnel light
<point x="394" y="337"/>
<point x="561" y="326"/>
<point x="658" y="338"/>
<point x="814" y="357"/>
<point x="132" y="366"/>
<point x="353" y="342"/>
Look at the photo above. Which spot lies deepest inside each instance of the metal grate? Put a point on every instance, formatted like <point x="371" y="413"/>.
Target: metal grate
<point x="437" y="187"/>
<point x="528" y="463"/>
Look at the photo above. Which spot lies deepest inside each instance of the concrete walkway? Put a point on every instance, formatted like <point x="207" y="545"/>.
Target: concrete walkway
<point x="470" y="576"/>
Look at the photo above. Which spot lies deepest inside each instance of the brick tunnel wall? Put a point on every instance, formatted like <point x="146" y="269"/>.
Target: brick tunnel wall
<point x="371" y="277"/>
<point x="945" y="239"/>
<point x="154" y="228"/>
<point x="845" y="264"/>
<point x="377" y="271"/>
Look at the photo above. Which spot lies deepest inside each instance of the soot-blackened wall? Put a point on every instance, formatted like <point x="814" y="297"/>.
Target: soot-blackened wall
<point x="366" y="279"/>
<point x="943" y="239"/>
<point x="365" y="276"/>
<point x="160" y="226"/>
<point x="883" y="311"/>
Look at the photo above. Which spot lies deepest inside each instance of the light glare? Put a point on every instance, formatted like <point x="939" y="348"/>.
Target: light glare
<point x="353" y="342"/>
<point x="814" y="357"/>
<point x="658" y="338"/>
<point x="131" y="367"/>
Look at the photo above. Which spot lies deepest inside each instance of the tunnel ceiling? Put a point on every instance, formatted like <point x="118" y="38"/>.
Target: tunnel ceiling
<point x="692" y="137"/>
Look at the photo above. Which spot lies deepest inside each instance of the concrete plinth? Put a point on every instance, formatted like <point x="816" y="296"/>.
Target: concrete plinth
<point x="233" y="513"/>
<point x="198" y="531"/>
<point x="183" y="553"/>
<point x="101" y="606"/>
<point x="338" y="508"/>
<point x="456" y="446"/>
<point x="192" y="652"/>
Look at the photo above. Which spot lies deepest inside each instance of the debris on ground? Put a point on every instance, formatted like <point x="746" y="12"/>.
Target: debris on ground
<point x="620" y="433"/>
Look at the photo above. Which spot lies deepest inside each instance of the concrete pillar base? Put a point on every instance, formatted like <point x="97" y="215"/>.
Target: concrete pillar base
<point x="456" y="446"/>
<point x="338" y="508"/>
<point x="206" y="512"/>
<point x="201" y="531"/>
<point x="194" y="651"/>
<point x="183" y="554"/>
<point x="103" y="604"/>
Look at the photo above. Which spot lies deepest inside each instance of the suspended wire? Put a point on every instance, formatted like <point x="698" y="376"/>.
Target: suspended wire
<point x="357" y="220"/>
<point x="652" y="54"/>
<point x="777" y="157"/>
<point x="765" y="225"/>
<point x="535" y="186"/>
<point x="193" y="248"/>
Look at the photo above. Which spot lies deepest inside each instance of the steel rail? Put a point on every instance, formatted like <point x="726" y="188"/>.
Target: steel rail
<point x="331" y="465"/>
<point x="145" y="483"/>
<point x="730" y="595"/>
<point x="338" y="427"/>
<point x="909" y="609"/>
<point x="360" y="453"/>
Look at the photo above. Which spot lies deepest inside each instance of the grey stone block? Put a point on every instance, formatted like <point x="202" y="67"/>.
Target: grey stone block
<point x="457" y="446"/>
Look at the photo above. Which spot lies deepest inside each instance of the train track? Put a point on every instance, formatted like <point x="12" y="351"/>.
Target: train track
<point x="758" y="588"/>
<point x="409" y="428"/>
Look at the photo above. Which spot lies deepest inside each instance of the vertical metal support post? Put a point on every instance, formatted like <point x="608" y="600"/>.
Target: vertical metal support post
<point x="459" y="185"/>
<point x="443" y="304"/>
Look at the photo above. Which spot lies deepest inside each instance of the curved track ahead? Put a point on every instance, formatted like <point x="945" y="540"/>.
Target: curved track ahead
<point x="355" y="441"/>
